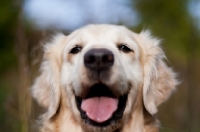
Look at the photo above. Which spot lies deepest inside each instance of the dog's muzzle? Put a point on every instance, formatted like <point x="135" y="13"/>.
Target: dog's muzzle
<point x="100" y="105"/>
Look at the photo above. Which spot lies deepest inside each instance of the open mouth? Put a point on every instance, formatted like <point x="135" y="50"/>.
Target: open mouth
<point x="101" y="107"/>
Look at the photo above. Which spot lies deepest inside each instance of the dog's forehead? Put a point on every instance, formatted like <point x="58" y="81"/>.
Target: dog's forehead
<point x="102" y="34"/>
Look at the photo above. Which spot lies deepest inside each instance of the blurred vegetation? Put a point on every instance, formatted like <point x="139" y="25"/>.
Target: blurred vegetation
<point x="20" y="55"/>
<point x="8" y="63"/>
<point x="171" y="20"/>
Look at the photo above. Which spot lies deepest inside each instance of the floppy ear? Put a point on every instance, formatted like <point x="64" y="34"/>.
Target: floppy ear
<point x="46" y="89"/>
<point x="159" y="79"/>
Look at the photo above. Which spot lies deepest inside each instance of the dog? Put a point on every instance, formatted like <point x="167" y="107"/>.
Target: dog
<point x="102" y="78"/>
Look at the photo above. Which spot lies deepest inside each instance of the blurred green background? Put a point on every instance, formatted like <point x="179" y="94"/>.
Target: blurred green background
<point x="21" y="54"/>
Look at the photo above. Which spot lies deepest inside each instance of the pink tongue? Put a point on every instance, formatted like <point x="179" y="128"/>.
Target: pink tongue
<point x="99" y="109"/>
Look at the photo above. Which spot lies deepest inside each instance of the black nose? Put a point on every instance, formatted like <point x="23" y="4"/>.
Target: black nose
<point x="98" y="59"/>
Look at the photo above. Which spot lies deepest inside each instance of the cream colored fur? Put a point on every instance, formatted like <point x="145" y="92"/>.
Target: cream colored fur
<point x="63" y="76"/>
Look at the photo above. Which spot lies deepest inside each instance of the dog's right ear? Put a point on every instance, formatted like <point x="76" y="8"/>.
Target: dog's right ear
<point x="46" y="89"/>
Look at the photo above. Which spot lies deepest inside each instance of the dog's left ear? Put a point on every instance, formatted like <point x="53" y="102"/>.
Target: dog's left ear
<point x="159" y="79"/>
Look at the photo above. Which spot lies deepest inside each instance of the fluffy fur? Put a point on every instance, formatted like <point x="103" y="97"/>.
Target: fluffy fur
<point x="141" y="73"/>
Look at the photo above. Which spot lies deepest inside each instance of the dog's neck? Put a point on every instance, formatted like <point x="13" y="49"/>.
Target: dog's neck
<point x="140" y="120"/>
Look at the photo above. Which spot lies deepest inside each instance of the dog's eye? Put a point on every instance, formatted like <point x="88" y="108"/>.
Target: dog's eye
<point x="75" y="50"/>
<point x="124" y="48"/>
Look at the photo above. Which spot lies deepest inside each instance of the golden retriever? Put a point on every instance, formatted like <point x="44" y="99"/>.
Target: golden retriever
<point x="102" y="78"/>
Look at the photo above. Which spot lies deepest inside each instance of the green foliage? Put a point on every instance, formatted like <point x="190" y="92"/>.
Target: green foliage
<point x="169" y="20"/>
<point x="7" y="27"/>
<point x="8" y="14"/>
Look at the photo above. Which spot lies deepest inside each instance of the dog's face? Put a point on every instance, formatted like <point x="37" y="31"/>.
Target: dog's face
<point x="104" y="68"/>
<point x="99" y="72"/>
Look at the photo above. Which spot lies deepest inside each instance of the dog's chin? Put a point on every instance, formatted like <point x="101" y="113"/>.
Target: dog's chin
<point x="101" y="103"/>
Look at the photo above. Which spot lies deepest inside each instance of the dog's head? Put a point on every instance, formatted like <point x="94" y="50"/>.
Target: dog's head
<point x="102" y="69"/>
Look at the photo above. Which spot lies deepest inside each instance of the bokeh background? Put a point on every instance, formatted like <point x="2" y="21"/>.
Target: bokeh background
<point x="26" y="25"/>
